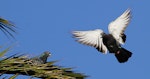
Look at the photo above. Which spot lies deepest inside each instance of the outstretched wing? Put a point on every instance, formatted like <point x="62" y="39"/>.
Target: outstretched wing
<point x="118" y="26"/>
<point x="91" y="38"/>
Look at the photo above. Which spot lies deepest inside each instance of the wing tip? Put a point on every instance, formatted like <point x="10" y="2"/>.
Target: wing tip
<point x="128" y="12"/>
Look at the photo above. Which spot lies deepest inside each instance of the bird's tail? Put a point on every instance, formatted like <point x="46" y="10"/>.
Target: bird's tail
<point x="123" y="55"/>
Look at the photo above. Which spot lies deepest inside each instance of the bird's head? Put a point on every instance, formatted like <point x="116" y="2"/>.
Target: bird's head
<point x="47" y="53"/>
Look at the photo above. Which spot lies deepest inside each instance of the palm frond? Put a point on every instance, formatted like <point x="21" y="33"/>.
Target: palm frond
<point x="19" y="64"/>
<point x="7" y="27"/>
<point x="14" y="76"/>
<point x="4" y="51"/>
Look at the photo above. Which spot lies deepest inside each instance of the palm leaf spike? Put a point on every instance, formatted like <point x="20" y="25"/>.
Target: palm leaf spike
<point x="11" y="77"/>
<point x="4" y="51"/>
<point x="14" y="76"/>
<point x="7" y="27"/>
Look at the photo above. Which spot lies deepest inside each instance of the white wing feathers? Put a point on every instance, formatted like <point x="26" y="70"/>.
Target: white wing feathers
<point x="118" y="26"/>
<point x="91" y="38"/>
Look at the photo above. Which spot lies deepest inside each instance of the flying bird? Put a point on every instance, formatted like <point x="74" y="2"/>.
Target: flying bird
<point x="108" y="42"/>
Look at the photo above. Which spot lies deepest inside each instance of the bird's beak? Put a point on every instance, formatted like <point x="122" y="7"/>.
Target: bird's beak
<point x="50" y="54"/>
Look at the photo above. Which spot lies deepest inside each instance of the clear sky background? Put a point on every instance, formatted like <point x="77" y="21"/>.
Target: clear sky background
<point x="46" y="25"/>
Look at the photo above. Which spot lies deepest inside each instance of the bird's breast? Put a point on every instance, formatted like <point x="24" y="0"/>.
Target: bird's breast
<point x="110" y="42"/>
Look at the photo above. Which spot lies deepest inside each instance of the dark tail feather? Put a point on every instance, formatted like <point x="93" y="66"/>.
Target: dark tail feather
<point x="123" y="55"/>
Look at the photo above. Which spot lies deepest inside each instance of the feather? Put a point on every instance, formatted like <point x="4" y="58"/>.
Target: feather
<point x="92" y="38"/>
<point x="118" y="26"/>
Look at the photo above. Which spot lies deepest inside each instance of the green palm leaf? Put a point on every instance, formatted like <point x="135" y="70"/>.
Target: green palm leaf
<point x="7" y="27"/>
<point x="21" y="65"/>
<point x="14" y="76"/>
<point x="4" y="51"/>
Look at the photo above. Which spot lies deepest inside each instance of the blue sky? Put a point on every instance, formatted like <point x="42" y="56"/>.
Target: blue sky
<point x="46" y="25"/>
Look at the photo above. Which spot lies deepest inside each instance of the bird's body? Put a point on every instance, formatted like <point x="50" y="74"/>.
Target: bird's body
<point x="108" y="42"/>
<point x="114" y="47"/>
<point x="42" y="59"/>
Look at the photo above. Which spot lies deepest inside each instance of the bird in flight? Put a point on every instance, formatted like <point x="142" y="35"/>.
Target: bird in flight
<point x="108" y="42"/>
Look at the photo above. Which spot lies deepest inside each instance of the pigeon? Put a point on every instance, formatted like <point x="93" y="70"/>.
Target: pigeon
<point x="42" y="59"/>
<point x="108" y="42"/>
